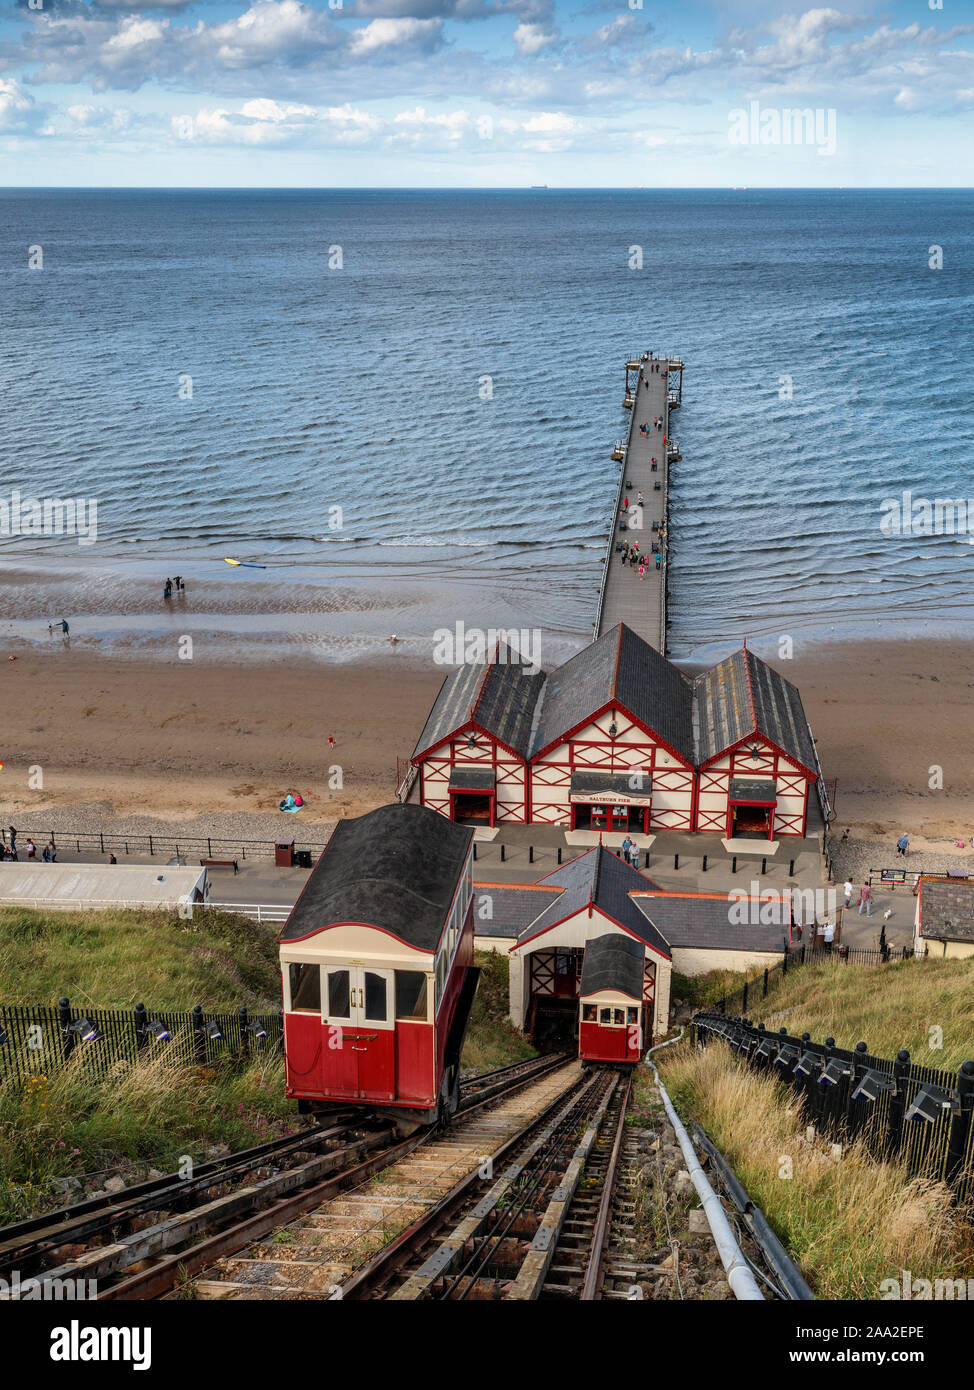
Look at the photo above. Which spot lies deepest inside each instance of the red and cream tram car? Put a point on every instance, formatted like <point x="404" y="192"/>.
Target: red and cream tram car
<point x="377" y="967"/>
<point x="610" y="1027"/>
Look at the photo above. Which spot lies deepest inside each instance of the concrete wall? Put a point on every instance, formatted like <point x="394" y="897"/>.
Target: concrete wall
<point x="693" y="960"/>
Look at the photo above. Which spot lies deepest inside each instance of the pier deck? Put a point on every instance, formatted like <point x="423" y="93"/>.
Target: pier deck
<point x="641" y="603"/>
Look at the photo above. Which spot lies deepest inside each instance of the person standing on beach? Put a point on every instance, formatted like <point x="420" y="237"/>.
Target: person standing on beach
<point x="903" y="844"/>
<point x="866" y="900"/>
<point x="167" y="589"/>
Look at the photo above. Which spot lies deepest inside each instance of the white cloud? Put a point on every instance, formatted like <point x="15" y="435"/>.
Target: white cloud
<point x="382" y="34"/>
<point x="532" y="38"/>
<point x="16" y="105"/>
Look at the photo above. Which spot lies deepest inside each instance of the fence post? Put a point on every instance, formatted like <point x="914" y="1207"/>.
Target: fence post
<point x="676" y="861"/>
<point x="141" y="1027"/>
<point x="530" y="854"/>
<point x="244" y="1035"/>
<point x="64" y="1018"/>
<point x="764" y="993"/>
<point x="764" y="866"/>
<point x="101" y="841"/>
<point x="791" y="868"/>
<point x="961" y="1123"/>
<point x="901" y="1070"/>
<point x="199" y="1036"/>
<point x="209" y="848"/>
<point x="734" y="864"/>
<point x="151" y="850"/>
<point x="703" y="868"/>
<point x="858" y="1068"/>
<point x="559" y="854"/>
<point x="280" y="1035"/>
<point x="744" y="998"/>
<point x="502" y="851"/>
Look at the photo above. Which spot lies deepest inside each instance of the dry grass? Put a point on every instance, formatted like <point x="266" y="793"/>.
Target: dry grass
<point x="850" y="1222"/>
<point x="887" y="1006"/>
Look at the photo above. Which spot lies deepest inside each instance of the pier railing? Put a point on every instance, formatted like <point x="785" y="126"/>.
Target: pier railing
<point x="610" y="544"/>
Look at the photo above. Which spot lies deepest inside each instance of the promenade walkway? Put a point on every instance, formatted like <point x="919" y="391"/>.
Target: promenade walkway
<point x="641" y="603"/>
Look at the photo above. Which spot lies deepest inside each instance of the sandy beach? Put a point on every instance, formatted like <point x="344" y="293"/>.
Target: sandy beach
<point x="177" y="740"/>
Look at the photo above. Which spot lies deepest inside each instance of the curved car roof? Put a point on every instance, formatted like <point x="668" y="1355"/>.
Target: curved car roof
<point x="396" y="868"/>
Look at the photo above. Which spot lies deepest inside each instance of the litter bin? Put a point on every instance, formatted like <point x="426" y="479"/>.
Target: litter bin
<point x="284" y="854"/>
<point x="302" y="858"/>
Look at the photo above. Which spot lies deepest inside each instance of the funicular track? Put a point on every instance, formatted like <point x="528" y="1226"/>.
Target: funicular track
<point x="515" y="1212"/>
<point x="140" y="1242"/>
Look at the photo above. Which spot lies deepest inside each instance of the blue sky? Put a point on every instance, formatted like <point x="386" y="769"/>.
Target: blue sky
<point x="489" y="93"/>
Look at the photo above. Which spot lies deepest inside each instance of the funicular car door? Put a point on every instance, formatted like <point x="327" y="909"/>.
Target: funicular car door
<point x="360" y="1036"/>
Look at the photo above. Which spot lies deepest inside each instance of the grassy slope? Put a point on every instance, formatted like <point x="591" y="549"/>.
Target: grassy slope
<point x="114" y="959"/>
<point x="850" y="1222"/>
<point x="491" y="1039"/>
<point x="887" y="1006"/>
<point x="70" y="1125"/>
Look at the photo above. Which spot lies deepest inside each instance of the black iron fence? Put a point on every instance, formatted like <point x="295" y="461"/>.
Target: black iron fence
<point x="920" y="1114"/>
<point x="760" y="986"/>
<point x="36" y="1040"/>
<point x="178" y="846"/>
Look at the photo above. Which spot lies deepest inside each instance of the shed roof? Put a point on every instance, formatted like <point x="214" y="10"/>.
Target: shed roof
<point x="499" y="695"/>
<point x="743" y="695"/>
<point x="619" y="667"/>
<point x="613" y="962"/>
<point x="599" y="877"/>
<point x="396" y="868"/>
<point x="65" y="884"/>
<point x="946" y="910"/>
<point x="705" y="921"/>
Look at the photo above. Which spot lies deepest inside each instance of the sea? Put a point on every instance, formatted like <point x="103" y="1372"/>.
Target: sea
<point x="402" y="405"/>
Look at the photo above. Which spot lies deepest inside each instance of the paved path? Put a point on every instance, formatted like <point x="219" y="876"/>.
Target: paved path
<point x="640" y="603"/>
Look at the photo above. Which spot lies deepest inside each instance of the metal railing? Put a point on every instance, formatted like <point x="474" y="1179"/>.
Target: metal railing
<point x="760" y="986"/>
<point x="37" y="1040"/>
<point x="922" y="1115"/>
<point x="610" y="546"/>
<point x="260" y="912"/>
<point x="112" y="842"/>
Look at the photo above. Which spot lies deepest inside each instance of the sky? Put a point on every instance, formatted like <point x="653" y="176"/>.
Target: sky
<point x="485" y="93"/>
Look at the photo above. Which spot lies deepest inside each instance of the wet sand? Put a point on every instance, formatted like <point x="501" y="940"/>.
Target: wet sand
<point x="179" y="738"/>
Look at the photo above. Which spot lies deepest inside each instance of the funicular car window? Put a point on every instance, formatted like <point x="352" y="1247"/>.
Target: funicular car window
<point x="605" y="1016"/>
<point x="410" y="994"/>
<point x="620" y="1015"/>
<point x="589" y="1013"/>
<point x="632" y="1015"/>
<point x="338" y="1000"/>
<point x="376" y="1003"/>
<point x="305" y="983"/>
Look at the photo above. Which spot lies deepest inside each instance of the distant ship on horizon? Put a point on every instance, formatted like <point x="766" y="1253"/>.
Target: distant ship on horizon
<point x="539" y="185"/>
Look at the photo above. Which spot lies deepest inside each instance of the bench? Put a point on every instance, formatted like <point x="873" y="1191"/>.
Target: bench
<point x="219" y="864"/>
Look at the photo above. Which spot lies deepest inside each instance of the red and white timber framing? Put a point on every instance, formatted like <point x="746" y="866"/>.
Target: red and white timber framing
<point x="788" y="815"/>
<point x="633" y="749"/>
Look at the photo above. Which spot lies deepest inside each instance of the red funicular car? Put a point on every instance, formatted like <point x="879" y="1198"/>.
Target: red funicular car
<point x="610" y="1029"/>
<point x="377" y="967"/>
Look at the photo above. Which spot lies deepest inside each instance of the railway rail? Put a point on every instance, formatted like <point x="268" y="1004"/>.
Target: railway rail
<point x="157" y="1225"/>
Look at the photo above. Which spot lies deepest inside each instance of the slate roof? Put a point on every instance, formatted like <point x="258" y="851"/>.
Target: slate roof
<point x="498" y="695"/>
<point x="396" y="868"/>
<point x="946" y="910"/>
<point x="613" y="962"/>
<point x="705" y="922"/>
<point x="699" y="719"/>
<point x="620" y="666"/>
<point x="513" y="907"/>
<point x="742" y="695"/>
<point x="600" y="877"/>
